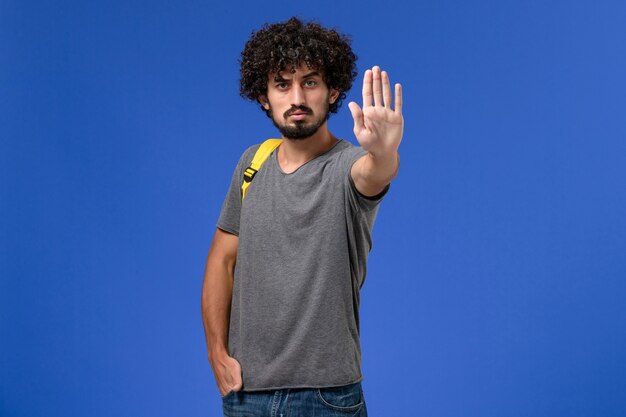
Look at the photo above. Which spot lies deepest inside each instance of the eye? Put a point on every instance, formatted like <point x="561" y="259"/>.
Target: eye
<point x="310" y="83"/>
<point x="282" y="86"/>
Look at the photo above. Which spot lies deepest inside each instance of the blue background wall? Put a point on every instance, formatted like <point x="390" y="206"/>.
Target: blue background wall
<point x="497" y="278"/>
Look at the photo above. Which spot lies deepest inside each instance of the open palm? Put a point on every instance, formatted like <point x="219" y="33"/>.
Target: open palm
<point x="377" y="126"/>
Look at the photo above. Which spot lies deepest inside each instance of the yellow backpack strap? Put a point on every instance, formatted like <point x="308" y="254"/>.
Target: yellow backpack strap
<point x="260" y="156"/>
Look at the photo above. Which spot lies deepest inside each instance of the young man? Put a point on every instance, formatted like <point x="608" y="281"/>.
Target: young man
<point x="280" y="299"/>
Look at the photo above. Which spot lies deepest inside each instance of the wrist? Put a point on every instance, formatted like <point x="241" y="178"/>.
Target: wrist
<point x="384" y="156"/>
<point x="218" y="354"/>
<point x="383" y="166"/>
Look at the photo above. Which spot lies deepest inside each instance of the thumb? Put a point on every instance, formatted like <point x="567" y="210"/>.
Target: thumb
<point x="357" y="115"/>
<point x="236" y="378"/>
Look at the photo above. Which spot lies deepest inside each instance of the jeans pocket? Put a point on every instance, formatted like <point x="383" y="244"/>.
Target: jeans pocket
<point x="347" y="398"/>
<point x="228" y="394"/>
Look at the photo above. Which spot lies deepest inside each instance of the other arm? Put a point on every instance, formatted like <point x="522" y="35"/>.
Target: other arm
<point x="217" y="291"/>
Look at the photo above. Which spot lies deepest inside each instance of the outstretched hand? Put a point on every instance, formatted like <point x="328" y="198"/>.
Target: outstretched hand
<point x="377" y="126"/>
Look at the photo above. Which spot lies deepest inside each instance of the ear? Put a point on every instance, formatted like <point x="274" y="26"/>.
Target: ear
<point x="333" y="96"/>
<point x="264" y="102"/>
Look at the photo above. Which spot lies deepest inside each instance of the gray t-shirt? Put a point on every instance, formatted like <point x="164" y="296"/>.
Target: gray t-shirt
<point x="304" y="239"/>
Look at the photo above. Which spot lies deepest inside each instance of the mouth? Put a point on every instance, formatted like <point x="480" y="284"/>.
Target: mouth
<point x="298" y="115"/>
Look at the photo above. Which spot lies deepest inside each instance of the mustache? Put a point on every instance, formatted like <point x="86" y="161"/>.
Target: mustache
<point x="294" y="109"/>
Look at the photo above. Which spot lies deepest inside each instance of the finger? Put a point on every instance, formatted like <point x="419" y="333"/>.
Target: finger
<point x="357" y="115"/>
<point x="378" y="92"/>
<point x="386" y="89"/>
<point x="228" y="379"/>
<point x="236" y="387"/>
<point x="398" y="105"/>
<point x="223" y="387"/>
<point x="237" y="377"/>
<point x="367" y="89"/>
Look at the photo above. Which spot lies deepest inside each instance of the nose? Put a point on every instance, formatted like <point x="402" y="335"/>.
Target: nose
<point x="297" y="95"/>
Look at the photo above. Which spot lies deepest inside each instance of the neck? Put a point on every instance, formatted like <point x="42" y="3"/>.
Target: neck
<point x="293" y="153"/>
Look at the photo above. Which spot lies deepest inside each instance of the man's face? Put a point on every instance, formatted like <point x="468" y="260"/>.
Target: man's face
<point x="298" y="101"/>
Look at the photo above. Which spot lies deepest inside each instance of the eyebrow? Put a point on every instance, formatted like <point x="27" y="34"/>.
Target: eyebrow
<point x="279" y="78"/>
<point x="311" y="74"/>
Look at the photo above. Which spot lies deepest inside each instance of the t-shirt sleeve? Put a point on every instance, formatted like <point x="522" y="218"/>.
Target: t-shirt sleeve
<point x="231" y="207"/>
<point x="356" y="198"/>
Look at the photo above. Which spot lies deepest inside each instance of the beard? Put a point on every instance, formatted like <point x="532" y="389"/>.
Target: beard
<point x="300" y="129"/>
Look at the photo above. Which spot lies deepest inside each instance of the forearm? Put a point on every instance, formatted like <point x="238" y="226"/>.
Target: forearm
<point x="217" y="292"/>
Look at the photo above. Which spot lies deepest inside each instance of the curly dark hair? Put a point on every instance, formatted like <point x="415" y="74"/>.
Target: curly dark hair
<point x="277" y="47"/>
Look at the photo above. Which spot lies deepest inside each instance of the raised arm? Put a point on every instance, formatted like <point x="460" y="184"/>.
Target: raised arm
<point x="378" y="127"/>
<point x="217" y="291"/>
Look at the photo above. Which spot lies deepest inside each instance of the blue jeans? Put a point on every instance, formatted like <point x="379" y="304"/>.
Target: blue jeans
<point x="341" y="401"/>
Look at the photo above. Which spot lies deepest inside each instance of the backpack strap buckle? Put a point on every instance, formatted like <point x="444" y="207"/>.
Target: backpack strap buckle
<point x="249" y="173"/>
